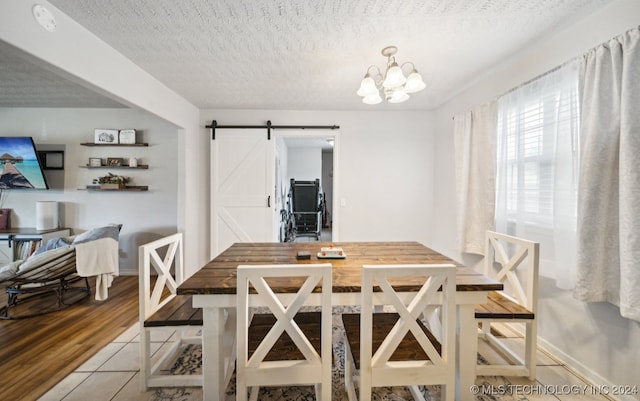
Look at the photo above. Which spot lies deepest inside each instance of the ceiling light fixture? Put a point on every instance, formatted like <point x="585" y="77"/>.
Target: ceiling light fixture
<point x="44" y="17"/>
<point x="393" y="84"/>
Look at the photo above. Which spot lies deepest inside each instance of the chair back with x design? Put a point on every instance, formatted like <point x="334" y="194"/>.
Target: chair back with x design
<point x="510" y="260"/>
<point x="397" y="349"/>
<point x="285" y="346"/>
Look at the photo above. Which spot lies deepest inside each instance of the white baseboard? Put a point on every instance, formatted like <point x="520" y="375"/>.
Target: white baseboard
<point x="578" y="368"/>
<point x="583" y="371"/>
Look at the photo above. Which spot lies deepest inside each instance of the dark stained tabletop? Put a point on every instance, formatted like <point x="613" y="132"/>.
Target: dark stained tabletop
<point x="219" y="275"/>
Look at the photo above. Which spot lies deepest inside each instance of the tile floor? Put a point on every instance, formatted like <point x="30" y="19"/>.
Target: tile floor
<point x="112" y="375"/>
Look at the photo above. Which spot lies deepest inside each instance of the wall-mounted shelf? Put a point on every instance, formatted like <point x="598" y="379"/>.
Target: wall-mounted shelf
<point x="121" y="165"/>
<point x="140" y="166"/>
<point x="113" y="144"/>
<point x="134" y="188"/>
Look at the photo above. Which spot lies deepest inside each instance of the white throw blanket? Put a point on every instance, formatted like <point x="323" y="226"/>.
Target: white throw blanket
<point x="98" y="258"/>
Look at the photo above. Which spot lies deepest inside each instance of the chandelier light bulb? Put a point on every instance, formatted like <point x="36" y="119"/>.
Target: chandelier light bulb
<point x="372" y="99"/>
<point x="414" y="82"/>
<point x="367" y="86"/>
<point x="398" y="96"/>
<point x="394" y="77"/>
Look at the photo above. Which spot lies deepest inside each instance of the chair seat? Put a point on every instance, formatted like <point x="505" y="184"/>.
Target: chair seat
<point x="285" y="348"/>
<point x="500" y="307"/>
<point x="407" y="350"/>
<point x="177" y="312"/>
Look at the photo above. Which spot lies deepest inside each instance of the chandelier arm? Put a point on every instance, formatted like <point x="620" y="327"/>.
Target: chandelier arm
<point x="373" y="66"/>
<point x="413" y="67"/>
<point x="390" y="61"/>
<point x="377" y="77"/>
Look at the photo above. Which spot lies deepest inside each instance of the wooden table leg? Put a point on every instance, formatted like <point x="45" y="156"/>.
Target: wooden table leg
<point x="467" y="352"/>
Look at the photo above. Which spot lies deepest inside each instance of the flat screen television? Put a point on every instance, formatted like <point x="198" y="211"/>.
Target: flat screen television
<point x="21" y="168"/>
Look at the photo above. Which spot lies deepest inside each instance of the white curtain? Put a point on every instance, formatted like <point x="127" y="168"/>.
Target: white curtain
<point x="474" y="141"/>
<point x="609" y="191"/>
<point x="537" y="166"/>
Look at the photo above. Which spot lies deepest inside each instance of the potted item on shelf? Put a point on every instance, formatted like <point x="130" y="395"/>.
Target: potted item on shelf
<point x="111" y="181"/>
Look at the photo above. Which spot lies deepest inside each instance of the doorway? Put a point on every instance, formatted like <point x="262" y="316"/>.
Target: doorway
<point x="302" y="160"/>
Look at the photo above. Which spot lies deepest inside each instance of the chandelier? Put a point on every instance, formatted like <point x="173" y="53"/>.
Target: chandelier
<point x="393" y="84"/>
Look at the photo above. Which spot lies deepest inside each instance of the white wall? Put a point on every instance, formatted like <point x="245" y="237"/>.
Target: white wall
<point x="592" y="337"/>
<point x="305" y="164"/>
<point x="384" y="168"/>
<point x="144" y="215"/>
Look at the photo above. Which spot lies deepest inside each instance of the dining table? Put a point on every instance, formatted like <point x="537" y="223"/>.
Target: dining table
<point x="213" y="288"/>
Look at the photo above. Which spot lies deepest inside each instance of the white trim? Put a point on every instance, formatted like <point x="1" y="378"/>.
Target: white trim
<point x="574" y="366"/>
<point x="579" y="369"/>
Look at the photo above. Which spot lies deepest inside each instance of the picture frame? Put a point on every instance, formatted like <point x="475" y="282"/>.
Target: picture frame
<point x="127" y="136"/>
<point x="105" y="136"/>
<point x="95" y="162"/>
<point x="115" y="161"/>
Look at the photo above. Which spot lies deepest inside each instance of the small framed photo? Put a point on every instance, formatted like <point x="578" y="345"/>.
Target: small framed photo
<point x="115" y="162"/>
<point x="128" y="136"/>
<point x="106" y="136"/>
<point x="95" y="162"/>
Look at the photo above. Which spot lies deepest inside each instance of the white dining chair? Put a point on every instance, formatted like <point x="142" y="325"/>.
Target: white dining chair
<point x="514" y="262"/>
<point x="396" y="348"/>
<point x="164" y="314"/>
<point x="285" y="346"/>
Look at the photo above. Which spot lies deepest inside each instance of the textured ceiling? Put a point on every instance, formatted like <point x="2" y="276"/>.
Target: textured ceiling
<point x="312" y="54"/>
<point x="24" y="82"/>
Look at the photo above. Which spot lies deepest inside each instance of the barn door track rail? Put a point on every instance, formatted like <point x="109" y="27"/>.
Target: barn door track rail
<point x="268" y="127"/>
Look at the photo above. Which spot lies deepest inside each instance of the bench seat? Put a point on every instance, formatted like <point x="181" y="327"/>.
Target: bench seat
<point x="179" y="311"/>
<point x="500" y="307"/>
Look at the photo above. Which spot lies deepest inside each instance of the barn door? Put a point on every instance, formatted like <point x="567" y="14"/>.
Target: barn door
<point x="242" y="185"/>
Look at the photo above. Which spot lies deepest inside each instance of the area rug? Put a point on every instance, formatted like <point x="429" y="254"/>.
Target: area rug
<point x="189" y="362"/>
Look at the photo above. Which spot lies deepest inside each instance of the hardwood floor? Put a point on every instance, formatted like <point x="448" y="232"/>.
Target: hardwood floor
<point x="37" y="352"/>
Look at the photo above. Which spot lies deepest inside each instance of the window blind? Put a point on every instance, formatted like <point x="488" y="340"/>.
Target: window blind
<point x="530" y="120"/>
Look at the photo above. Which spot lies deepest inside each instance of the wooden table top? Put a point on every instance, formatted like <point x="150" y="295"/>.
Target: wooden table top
<point x="219" y="275"/>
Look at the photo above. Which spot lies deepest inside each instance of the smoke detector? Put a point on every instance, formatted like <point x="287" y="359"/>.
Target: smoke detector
<point x="44" y="17"/>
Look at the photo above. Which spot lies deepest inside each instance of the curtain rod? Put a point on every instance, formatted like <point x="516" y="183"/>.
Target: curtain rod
<point x="527" y="82"/>
<point x="268" y="126"/>
<point x="554" y="69"/>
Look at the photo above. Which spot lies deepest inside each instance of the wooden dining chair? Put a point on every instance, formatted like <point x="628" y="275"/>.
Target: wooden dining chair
<point x="397" y="349"/>
<point x="161" y="271"/>
<point x="285" y="346"/>
<point x="512" y="261"/>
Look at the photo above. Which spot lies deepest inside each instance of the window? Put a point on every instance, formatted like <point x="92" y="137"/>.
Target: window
<point x="537" y="165"/>
<point x="537" y="130"/>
